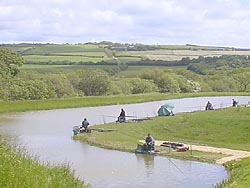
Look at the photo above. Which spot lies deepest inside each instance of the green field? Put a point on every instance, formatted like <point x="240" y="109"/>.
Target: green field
<point x="62" y="48"/>
<point x="61" y="68"/>
<point x="96" y="52"/>
<point x="62" y="58"/>
<point x="129" y="72"/>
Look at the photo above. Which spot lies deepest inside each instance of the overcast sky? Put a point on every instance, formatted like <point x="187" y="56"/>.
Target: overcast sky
<point x="201" y="22"/>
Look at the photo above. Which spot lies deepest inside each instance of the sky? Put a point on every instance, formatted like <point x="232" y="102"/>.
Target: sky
<point x="174" y="22"/>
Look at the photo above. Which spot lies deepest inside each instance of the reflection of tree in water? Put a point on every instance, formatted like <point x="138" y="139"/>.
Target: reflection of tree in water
<point x="148" y="160"/>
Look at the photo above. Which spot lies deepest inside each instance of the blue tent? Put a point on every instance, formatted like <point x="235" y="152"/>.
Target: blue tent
<point x="166" y="110"/>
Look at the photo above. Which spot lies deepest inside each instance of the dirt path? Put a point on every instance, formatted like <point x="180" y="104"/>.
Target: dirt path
<point x="234" y="154"/>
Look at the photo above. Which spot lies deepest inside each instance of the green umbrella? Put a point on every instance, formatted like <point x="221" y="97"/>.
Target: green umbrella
<point x="166" y="109"/>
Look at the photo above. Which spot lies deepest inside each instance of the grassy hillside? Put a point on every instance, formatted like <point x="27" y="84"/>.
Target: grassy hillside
<point x="229" y="128"/>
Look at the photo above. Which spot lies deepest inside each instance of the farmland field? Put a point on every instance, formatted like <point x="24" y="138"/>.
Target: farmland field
<point x="98" y="52"/>
<point x="131" y="70"/>
<point x="62" y="48"/>
<point x="61" y="68"/>
<point x="69" y="58"/>
<point x="172" y="55"/>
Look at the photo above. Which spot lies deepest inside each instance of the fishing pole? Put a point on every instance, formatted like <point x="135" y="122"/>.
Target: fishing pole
<point x="108" y="116"/>
<point x="103" y="118"/>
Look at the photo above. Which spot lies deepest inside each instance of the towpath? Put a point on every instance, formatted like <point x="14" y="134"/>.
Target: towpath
<point x="233" y="154"/>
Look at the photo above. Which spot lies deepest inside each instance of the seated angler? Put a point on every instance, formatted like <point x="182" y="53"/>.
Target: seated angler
<point x="149" y="142"/>
<point x="84" y="126"/>
<point x="122" y="116"/>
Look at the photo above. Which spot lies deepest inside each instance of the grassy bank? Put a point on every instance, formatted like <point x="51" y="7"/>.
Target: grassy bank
<point x="239" y="174"/>
<point x="126" y="137"/>
<point x="219" y="128"/>
<point x="18" y="170"/>
<point x="228" y="128"/>
<point x="21" y="106"/>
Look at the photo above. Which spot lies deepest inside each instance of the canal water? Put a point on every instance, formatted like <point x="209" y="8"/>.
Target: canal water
<point x="48" y="136"/>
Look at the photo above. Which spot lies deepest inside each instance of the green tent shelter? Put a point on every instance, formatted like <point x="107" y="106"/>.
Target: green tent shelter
<point x="166" y="110"/>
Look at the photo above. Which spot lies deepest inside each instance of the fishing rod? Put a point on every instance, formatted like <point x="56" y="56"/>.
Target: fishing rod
<point x="107" y="116"/>
<point x="116" y="116"/>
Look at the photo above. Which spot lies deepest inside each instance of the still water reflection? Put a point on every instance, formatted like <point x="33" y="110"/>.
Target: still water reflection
<point x="48" y="134"/>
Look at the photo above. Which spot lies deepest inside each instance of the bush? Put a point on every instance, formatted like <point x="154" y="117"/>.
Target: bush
<point x="139" y="85"/>
<point x="93" y="83"/>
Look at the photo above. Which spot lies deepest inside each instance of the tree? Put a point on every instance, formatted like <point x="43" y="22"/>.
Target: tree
<point x="94" y="82"/>
<point x="18" y="90"/>
<point x="139" y="85"/>
<point x="62" y="86"/>
<point x="184" y="85"/>
<point x="243" y="80"/>
<point x="120" y="86"/>
<point x="38" y="90"/>
<point x="222" y="83"/>
<point x="10" y="62"/>
<point x="165" y="81"/>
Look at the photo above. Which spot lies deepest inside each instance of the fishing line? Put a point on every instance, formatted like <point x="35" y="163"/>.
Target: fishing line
<point x="176" y="166"/>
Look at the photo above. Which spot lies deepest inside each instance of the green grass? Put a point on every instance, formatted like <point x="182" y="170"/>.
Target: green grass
<point x="94" y="53"/>
<point x="239" y="176"/>
<point x="61" y="68"/>
<point x="65" y="52"/>
<point x="21" y="106"/>
<point x="63" y="48"/>
<point x="19" y="170"/>
<point x="129" y="72"/>
<point x="58" y="58"/>
<point x="134" y="71"/>
<point x="228" y="128"/>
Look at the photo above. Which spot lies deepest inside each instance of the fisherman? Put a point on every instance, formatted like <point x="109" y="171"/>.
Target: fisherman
<point x="149" y="142"/>
<point x="235" y="103"/>
<point x="121" y="117"/>
<point x="84" y="126"/>
<point x="209" y="106"/>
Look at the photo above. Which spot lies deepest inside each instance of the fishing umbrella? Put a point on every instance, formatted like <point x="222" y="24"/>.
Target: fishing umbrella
<point x="166" y="109"/>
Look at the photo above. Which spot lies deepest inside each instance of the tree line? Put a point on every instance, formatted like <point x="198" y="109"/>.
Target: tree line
<point x="18" y="84"/>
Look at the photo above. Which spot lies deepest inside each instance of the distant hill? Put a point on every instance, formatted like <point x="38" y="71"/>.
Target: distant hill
<point x="106" y="51"/>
